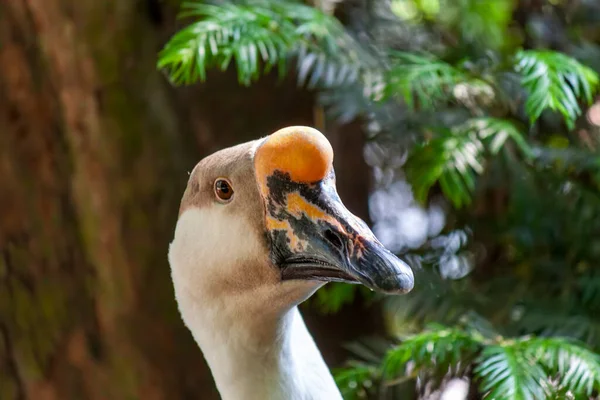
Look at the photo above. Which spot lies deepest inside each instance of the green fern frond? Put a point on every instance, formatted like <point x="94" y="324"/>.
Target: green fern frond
<point x="258" y="36"/>
<point x="436" y="349"/>
<point x="451" y="159"/>
<point x="555" y="81"/>
<point x="577" y="367"/>
<point x="455" y="156"/>
<point x="497" y="130"/>
<point x="535" y="368"/>
<point x="506" y="373"/>
<point x="523" y="368"/>
<point x="224" y="32"/>
<point x="423" y="80"/>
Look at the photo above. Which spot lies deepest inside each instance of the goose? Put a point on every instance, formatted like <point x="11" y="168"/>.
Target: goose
<point x="260" y="229"/>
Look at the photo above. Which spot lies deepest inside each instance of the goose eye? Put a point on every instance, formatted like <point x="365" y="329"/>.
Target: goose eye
<point x="223" y="190"/>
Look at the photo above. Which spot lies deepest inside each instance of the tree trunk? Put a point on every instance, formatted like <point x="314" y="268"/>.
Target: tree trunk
<point x="95" y="147"/>
<point x="93" y="165"/>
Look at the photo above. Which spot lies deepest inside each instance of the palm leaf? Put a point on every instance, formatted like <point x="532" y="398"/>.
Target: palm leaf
<point x="258" y="36"/>
<point x="524" y="368"/>
<point x="452" y="160"/>
<point x="497" y="131"/>
<point x="423" y="80"/>
<point x="506" y="373"/>
<point x="456" y="156"/>
<point x="578" y="368"/>
<point x="555" y="81"/>
<point x="437" y="349"/>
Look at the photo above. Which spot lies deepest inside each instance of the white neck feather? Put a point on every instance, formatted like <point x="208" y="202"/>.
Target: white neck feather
<point x="243" y="318"/>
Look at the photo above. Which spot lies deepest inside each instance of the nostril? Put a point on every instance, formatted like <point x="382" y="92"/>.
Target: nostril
<point x="334" y="239"/>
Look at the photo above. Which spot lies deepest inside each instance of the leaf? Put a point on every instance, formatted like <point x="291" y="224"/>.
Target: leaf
<point x="555" y="81"/>
<point x="454" y="157"/>
<point x="436" y="349"/>
<point x="497" y="130"/>
<point x="505" y="372"/>
<point x="423" y="80"/>
<point x="523" y="368"/>
<point x="578" y="368"/>
<point x="259" y="35"/>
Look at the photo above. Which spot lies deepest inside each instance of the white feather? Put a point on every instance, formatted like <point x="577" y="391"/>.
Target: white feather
<point x="242" y="316"/>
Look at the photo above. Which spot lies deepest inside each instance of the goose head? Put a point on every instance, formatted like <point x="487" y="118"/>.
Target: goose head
<point x="264" y="217"/>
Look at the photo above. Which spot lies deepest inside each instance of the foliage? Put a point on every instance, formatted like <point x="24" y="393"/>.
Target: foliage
<point x="453" y="156"/>
<point x="488" y="100"/>
<point x="555" y="81"/>
<point x="258" y="36"/>
<point x="521" y="368"/>
<point x="438" y="349"/>
<point x="424" y="80"/>
<point x="272" y="32"/>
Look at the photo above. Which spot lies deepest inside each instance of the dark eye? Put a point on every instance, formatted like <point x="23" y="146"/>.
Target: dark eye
<point x="223" y="189"/>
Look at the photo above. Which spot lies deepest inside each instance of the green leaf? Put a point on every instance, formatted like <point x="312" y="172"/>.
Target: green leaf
<point x="505" y="372"/>
<point x="259" y="35"/>
<point x="454" y="157"/>
<point x="450" y="159"/>
<point x="555" y="81"/>
<point x="524" y="368"/>
<point x="423" y="80"/>
<point x="578" y="367"/>
<point x="496" y="131"/>
<point x="434" y="350"/>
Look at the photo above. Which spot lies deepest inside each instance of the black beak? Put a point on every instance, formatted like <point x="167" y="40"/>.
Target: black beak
<point x="313" y="236"/>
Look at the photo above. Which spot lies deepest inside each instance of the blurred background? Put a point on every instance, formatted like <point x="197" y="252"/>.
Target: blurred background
<point x="465" y="133"/>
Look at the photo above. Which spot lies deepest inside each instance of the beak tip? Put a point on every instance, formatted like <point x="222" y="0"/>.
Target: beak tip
<point x="401" y="283"/>
<point x="398" y="278"/>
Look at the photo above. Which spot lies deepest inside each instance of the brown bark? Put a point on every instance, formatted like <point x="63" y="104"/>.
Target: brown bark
<point x="89" y="157"/>
<point x="94" y="152"/>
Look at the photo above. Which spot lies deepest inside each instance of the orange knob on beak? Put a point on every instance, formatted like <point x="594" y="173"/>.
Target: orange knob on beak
<point x="302" y="152"/>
